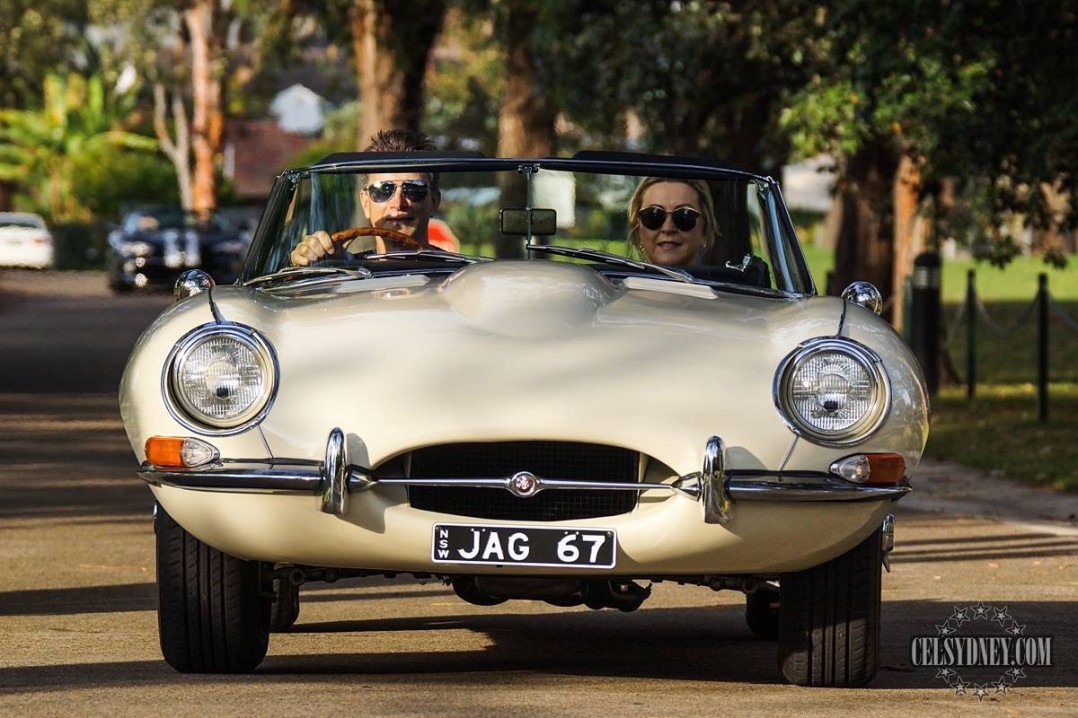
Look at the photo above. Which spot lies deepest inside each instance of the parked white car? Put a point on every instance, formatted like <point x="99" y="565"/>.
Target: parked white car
<point x="25" y="241"/>
<point x="548" y="414"/>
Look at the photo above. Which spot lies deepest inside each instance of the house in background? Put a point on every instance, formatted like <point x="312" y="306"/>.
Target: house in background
<point x="299" y="109"/>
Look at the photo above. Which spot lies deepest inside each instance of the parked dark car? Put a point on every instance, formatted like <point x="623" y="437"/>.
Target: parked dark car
<point x="153" y="245"/>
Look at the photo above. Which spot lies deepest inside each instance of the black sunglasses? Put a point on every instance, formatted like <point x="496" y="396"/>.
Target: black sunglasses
<point x="684" y="217"/>
<point x="414" y="190"/>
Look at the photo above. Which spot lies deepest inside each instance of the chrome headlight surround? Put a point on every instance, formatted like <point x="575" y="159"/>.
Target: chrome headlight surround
<point x="220" y="379"/>
<point x="832" y="391"/>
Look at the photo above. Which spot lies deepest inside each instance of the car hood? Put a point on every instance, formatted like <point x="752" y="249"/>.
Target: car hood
<point x="528" y="349"/>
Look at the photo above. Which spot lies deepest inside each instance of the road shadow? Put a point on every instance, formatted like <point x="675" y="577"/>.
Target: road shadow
<point x="87" y="332"/>
<point x="703" y="643"/>
<point x="118" y="598"/>
<point x="67" y="456"/>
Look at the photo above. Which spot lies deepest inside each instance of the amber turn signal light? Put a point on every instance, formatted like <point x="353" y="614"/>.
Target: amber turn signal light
<point x="179" y="452"/>
<point x="871" y="468"/>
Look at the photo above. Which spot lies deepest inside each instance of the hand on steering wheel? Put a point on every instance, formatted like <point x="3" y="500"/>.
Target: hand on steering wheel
<point x="317" y="245"/>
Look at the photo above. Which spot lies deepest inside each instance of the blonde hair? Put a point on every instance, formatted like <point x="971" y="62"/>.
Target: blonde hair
<point x="707" y="209"/>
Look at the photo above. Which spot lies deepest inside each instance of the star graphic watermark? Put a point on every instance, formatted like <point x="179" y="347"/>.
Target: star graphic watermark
<point x="1016" y="673"/>
<point x="960" y="615"/>
<point x="945" y="674"/>
<point x="952" y="651"/>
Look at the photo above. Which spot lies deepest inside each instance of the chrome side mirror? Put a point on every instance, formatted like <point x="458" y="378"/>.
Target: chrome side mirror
<point x="864" y="294"/>
<point x="192" y="282"/>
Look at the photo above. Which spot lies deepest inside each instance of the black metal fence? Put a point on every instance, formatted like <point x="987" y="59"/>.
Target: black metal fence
<point x="971" y="315"/>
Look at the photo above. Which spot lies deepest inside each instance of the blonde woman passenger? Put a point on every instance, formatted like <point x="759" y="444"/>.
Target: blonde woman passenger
<point x="672" y="221"/>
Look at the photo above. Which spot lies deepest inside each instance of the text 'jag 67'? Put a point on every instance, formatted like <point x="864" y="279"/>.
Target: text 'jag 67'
<point x="568" y="380"/>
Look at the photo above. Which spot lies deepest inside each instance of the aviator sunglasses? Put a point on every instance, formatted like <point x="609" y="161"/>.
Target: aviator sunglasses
<point x="684" y="217"/>
<point x="414" y="190"/>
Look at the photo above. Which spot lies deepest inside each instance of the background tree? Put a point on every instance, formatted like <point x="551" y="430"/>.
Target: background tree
<point x="36" y="39"/>
<point x="1019" y="144"/>
<point x="921" y="93"/>
<point x="391" y="41"/>
<point x="696" y="78"/>
<point x="195" y="54"/>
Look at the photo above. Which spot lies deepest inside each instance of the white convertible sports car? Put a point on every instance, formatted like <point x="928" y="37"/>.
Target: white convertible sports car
<point x="555" y="412"/>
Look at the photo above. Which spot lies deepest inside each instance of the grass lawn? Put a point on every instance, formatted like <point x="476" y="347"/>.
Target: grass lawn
<point x="999" y="429"/>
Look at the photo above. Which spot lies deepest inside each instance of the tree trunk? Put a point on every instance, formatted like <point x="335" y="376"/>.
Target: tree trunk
<point x="206" y="121"/>
<point x="392" y="43"/>
<point x="526" y="118"/>
<point x="865" y="234"/>
<point x="908" y="241"/>
<point x="178" y="149"/>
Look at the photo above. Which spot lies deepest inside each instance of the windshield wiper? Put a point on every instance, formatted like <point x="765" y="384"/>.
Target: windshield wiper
<point x="599" y="256"/>
<point x="309" y="273"/>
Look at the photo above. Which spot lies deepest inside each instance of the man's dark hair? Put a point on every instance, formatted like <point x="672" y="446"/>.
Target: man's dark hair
<point x="397" y="140"/>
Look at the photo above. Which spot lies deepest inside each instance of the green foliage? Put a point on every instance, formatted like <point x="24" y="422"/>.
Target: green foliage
<point x="110" y="179"/>
<point x="80" y="245"/>
<point x="39" y="148"/>
<point x="38" y="38"/>
<point x="472" y="225"/>
<point x="464" y="87"/>
<point x="984" y="92"/>
<point x="697" y="77"/>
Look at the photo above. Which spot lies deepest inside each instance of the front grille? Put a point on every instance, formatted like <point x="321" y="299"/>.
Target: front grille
<point x="546" y="459"/>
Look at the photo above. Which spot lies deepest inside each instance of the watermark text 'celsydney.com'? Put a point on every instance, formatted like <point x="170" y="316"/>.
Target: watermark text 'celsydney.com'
<point x="981" y="651"/>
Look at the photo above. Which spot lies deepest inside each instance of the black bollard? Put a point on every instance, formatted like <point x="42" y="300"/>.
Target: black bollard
<point x="925" y="316"/>
<point x="1042" y="346"/>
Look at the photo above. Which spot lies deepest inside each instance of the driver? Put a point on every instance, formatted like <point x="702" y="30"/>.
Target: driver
<point x="403" y="202"/>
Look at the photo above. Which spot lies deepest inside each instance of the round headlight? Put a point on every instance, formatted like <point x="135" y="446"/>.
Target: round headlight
<point x="221" y="378"/>
<point x="833" y="391"/>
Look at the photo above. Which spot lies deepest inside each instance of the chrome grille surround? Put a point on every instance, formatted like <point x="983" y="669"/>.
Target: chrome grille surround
<point x="558" y="460"/>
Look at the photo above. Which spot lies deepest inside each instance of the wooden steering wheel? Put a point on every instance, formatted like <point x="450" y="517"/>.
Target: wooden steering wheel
<point x="347" y="235"/>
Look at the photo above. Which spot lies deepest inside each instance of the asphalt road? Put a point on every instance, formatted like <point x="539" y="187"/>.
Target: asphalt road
<point x="78" y="625"/>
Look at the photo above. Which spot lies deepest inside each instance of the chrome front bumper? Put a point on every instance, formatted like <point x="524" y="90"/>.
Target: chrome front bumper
<point x="334" y="479"/>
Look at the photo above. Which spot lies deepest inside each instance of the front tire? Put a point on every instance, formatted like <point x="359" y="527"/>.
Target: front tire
<point x="829" y="623"/>
<point x="212" y="615"/>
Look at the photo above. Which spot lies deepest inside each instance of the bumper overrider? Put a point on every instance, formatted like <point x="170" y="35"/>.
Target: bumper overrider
<point x="717" y="488"/>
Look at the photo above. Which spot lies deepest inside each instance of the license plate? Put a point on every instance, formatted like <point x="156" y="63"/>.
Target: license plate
<point x="524" y="546"/>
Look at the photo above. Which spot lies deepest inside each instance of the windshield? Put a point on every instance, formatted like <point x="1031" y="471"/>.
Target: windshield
<point x="724" y="228"/>
<point x="24" y="221"/>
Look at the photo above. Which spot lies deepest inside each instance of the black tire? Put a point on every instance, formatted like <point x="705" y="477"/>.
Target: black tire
<point x="829" y="625"/>
<point x="212" y="616"/>
<point x="285" y="609"/>
<point x="762" y="613"/>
